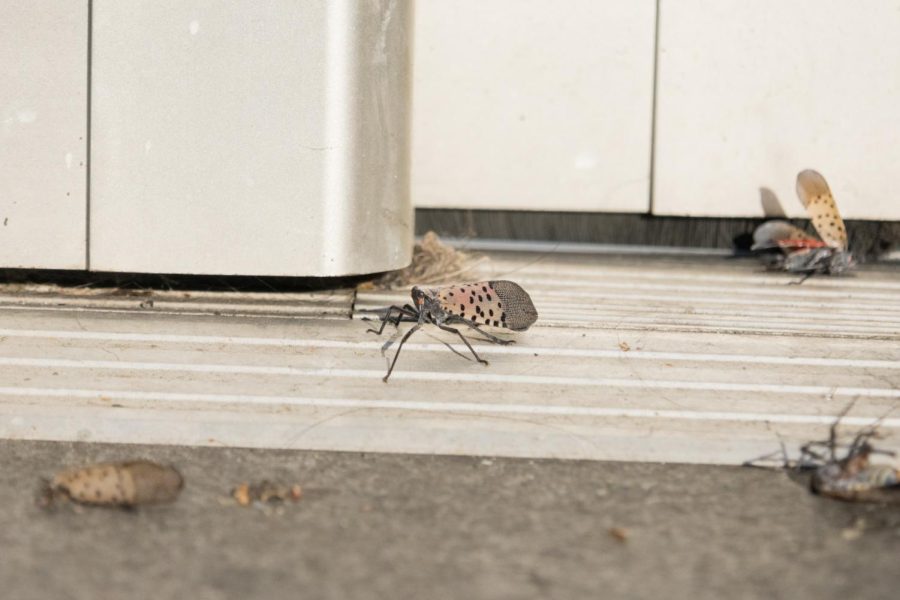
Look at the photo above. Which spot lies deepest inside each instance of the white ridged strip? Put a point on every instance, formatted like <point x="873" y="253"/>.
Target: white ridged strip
<point x="160" y="338"/>
<point x="446" y="378"/>
<point x="772" y="279"/>
<point x="602" y="310"/>
<point x="792" y="292"/>
<point x="722" y="324"/>
<point x="445" y="407"/>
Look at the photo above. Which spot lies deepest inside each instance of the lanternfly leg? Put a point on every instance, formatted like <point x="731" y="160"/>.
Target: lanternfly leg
<point x="399" y="348"/>
<point x="402" y="311"/>
<point x="487" y="336"/>
<point x="465" y="341"/>
<point x="802" y="279"/>
<point x="391" y="340"/>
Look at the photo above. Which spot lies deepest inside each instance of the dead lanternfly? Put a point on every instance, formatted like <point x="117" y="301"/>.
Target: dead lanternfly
<point x="502" y="304"/>
<point x="850" y="476"/>
<point x="123" y="484"/>
<point x="785" y="247"/>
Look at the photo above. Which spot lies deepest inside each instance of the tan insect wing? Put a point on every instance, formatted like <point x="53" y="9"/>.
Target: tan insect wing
<point x="816" y="197"/>
<point x="494" y="303"/>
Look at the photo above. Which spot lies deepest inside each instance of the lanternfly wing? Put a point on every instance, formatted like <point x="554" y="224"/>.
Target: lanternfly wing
<point x="819" y="203"/>
<point x="781" y="234"/>
<point x="494" y="303"/>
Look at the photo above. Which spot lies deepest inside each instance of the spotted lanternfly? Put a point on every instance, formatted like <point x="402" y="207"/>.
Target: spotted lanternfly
<point x="785" y="247"/>
<point x="123" y="484"/>
<point x="501" y="304"/>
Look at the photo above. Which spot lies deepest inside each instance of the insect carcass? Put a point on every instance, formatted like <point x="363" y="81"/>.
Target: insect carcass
<point x="123" y="484"/>
<point x="844" y="471"/>
<point x="783" y="246"/>
<point x="852" y="476"/>
<point x="502" y="304"/>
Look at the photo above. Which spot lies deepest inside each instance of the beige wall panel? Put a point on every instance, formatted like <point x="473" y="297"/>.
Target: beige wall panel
<point x="751" y="93"/>
<point x="531" y="104"/>
<point x="257" y="138"/>
<point x="43" y="124"/>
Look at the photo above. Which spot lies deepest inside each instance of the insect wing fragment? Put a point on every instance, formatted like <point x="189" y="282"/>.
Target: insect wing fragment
<point x="816" y="197"/>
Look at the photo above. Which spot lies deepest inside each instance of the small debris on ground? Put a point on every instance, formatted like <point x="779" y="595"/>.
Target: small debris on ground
<point x="123" y="484"/>
<point x="620" y="533"/>
<point x="266" y="492"/>
<point x="855" y="531"/>
<point x="624" y="347"/>
<point x="433" y="262"/>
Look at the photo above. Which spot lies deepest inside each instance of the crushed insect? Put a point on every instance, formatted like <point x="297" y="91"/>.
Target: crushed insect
<point x="843" y="470"/>
<point x="783" y="246"/>
<point x="501" y="304"/>
<point x="124" y="484"/>
<point x="266" y="492"/>
<point x="433" y="262"/>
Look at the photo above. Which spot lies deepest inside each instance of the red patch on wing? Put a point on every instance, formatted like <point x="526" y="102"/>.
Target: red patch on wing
<point x="804" y="243"/>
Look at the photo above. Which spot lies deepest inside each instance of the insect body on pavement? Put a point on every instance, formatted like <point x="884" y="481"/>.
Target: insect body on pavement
<point x="500" y="304"/>
<point x="784" y="246"/>
<point x="123" y="484"/>
<point x="852" y="476"/>
<point x="844" y="471"/>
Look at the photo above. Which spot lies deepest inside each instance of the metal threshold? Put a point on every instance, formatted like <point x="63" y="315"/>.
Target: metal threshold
<point x="635" y="357"/>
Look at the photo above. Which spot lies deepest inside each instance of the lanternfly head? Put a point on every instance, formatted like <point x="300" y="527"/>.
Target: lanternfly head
<point x="418" y="297"/>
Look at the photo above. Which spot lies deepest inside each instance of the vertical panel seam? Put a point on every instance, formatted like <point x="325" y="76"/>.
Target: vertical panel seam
<point x="654" y="109"/>
<point x="87" y="137"/>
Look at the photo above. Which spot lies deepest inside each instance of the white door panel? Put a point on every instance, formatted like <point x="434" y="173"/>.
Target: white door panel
<point x="751" y="93"/>
<point x="535" y="105"/>
<point x="43" y="125"/>
<point x="252" y="138"/>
